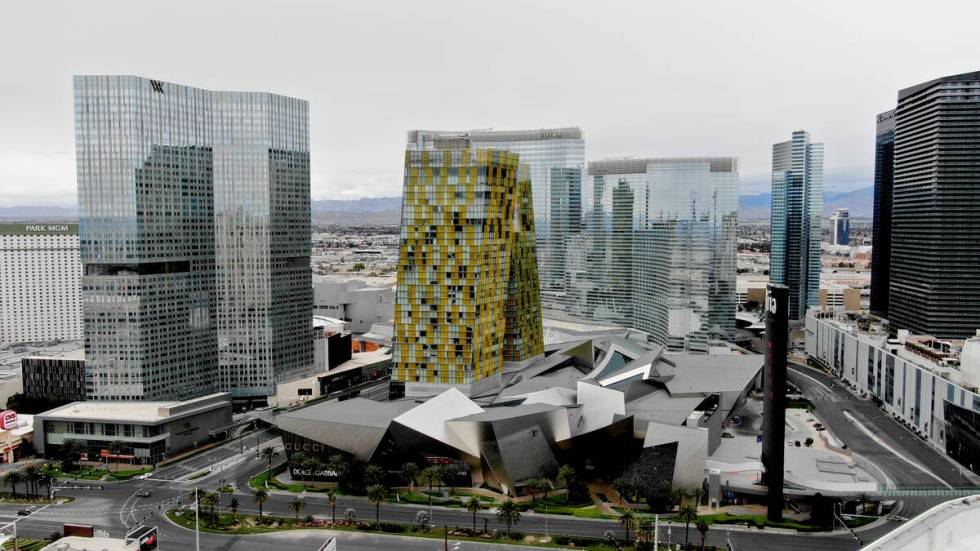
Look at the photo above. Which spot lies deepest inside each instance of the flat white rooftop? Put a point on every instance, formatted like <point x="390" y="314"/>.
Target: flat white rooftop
<point x="135" y="411"/>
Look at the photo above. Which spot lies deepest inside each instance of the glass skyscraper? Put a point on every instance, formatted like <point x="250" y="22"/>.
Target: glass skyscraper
<point x="556" y="160"/>
<point x="934" y="286"/>
<point x="194" y="234"/>
<point x="467" y="293"/>
<point x="881" y="241"/>
<point x="797" y="204"/>
<point x="664" y="247"/>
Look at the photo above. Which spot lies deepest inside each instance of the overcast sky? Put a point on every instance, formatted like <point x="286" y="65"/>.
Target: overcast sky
<point x="646" y="78"/>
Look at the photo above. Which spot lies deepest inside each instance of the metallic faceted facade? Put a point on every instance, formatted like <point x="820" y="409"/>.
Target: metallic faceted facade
<point x="797" y="207"/>
<point x="192" y="205"/>
<point x="467" y="292"/>
<point x="935" y="216"/>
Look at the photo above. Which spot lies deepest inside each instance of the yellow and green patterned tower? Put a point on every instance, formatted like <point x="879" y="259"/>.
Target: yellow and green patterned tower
<point x="467" y="298"/>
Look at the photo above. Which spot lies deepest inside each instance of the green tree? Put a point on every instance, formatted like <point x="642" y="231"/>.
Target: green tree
<point x="298" y="460"/>
<point x="260" y="497"/>
<point x="350" y="514"/>
<point x="645" y="530"/>
<point x="429" y="475"/>
<point x="357" y="267"/>
<point x="31" y="477"/>
<point x="70" y="452"/>
<point x="473" y="505"/>
<point x="233" y="504"/>
<point x="689" y="514"/>
<point x="209" y="501"/>
<point x="704" y="492"/>
<point x="332" y="500"/>
<point x="373" y="475"/>
<point x="422" y="520"/>
<point x="12" y="479"/>
<point x="268" y="453"/>
<point x="376" y="493"/>
<point x="702" y="527"/>
<point x="339" y="465"/>
<point x="627" y="519"/>
<point x="410" y="472"/>
<point x="508" y="514"/>
<point x="296" y="505"/>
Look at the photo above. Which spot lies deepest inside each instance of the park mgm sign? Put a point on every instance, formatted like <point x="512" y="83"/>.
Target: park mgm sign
<point x="38" y="229"/>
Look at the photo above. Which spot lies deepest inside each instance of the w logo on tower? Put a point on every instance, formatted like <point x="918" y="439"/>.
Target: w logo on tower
<point x="157" y="86"/>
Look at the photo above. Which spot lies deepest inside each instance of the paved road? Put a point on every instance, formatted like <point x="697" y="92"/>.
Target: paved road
<point x="917" y="464"/>
<point x="215" y="456"/>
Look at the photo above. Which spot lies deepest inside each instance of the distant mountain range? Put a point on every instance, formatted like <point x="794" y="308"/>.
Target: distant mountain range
<point x="387" y="210"/>
<point x="859" y="202"/>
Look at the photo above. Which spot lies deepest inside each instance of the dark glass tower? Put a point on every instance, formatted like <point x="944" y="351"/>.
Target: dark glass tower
<point x="882" y="227"/>
<point x="934" y="286"/>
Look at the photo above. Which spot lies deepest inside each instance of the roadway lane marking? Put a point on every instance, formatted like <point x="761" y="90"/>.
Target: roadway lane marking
<point x="882" y="443"/>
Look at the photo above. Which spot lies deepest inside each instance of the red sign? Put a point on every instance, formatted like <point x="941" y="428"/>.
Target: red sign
<point x="8" y="419"/>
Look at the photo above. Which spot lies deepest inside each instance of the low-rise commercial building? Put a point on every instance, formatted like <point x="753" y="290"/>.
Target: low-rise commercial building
<point x="929" y="384"/>
<point x="647" y="409"/>
<point x="143" y="433"/>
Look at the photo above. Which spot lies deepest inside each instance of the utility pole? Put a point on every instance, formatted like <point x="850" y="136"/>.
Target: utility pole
<point x="445" y="535"/>
<point x="656" y="532"/>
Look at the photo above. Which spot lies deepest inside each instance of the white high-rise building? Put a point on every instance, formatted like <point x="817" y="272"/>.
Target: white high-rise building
<point x="40" y="298"/>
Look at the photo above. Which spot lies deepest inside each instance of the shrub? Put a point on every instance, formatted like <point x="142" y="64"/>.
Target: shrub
<point x="517" y="536"/>
<point x="392" y="527"/>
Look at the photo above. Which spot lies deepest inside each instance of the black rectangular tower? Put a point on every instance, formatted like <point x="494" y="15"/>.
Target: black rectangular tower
<point x="774" y="401"/>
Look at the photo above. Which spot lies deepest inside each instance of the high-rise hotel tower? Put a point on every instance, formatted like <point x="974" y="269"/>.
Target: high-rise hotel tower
<point x="467" y="301"/>
<point x="797" y="208"/>
<point x="194" y="234"/>
<point x="933" y="281"/>
<point x="555" y="158"/>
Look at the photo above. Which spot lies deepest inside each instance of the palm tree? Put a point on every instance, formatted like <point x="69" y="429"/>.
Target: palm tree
<point x="689" y="514"/>
<point x="374" y="475"/>
<point x="702" y="527"/>
<point x="627" y="519"/>
<point x="410" y="471"/>
<point x="509" y="514"/>
<point x="376" y="493"/>
<point x="299" y="459"/>
<point x="209" y="502"/>
<point x="296" y="505"/>
<point x="260" y="497"/>
<point x="31" y="476"/>
<point x="645" y="530"/>
<point x="338" y="464"/>
<point x="233" y="504"/>
<point x="534" y="486"/>
<point x="429" y="475"/>
<point x="678" y="495"/>
<point x="70" y="452"/>
<point x="12" y="479"/>
<point x="566" y="475"/>
<point x="268" y="453"/>
<point x="332" y="500"/>
<point x="473" y="506"/>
